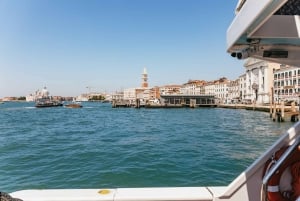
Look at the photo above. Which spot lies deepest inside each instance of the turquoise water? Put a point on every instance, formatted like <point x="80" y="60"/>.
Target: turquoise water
<point x="98" y="146"/>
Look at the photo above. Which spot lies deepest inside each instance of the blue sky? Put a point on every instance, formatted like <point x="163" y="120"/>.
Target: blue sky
<point x="68" y="45"/>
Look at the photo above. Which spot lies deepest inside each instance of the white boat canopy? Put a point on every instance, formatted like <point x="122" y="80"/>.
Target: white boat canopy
<point x="267" y="30"/>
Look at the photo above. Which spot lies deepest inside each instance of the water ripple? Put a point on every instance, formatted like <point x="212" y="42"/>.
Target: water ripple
<point x="99" y="146"/>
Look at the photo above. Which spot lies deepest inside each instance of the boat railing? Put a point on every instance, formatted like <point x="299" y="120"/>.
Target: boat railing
<point x="276" y="166"/>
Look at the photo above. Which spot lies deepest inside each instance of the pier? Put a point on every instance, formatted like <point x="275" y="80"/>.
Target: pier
<point x="278" y="111"/>
<point x="170" y="101"/>
<point x="191" y="101"/>
<point x="122" y="103"/>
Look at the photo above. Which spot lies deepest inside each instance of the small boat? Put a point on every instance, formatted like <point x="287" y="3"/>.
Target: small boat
<point x="74" y="105"/>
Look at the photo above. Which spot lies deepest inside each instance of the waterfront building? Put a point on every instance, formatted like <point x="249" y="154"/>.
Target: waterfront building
<point x="183" y="100"/>
<point x="8" y="99"/>
<point x="143" y="93"/>
<point x="242" y="87"/>
<point x="259" y="80"/>
<point x="233" y="91"/>
<point x="193" y="87"/>
<point x="118" y="96"/>
<point x="287" y="84"/>
<point x="170" y="89"/>
<point x="209" y="88"/>
<point x="30" y="98"/>
<point x="221" y="89"/>
<point x="130" y="94"/>
<point x="82" y="98"/>
<point x="154" y="93"/>
<point x="44" y="93"/>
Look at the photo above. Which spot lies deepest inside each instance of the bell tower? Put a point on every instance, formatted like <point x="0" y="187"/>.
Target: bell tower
<point x="144" y="79"/>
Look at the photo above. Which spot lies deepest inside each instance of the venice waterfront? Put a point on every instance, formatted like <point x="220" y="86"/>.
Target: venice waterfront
<point x="98" y="146"/>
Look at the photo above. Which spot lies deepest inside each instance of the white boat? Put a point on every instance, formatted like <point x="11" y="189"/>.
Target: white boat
<point x="254" y="32"/>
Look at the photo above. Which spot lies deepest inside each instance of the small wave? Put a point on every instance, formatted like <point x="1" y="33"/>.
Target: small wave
<point x="29" y="107"/>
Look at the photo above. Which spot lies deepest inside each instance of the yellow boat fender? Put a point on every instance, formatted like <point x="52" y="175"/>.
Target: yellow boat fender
<point x="104" y="191"/>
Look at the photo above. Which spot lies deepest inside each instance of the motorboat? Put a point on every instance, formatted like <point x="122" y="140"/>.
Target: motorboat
<point x="47" y="102"/>
<point x="44" y="100"/>
<point x="264" y="29"/>
<point x="73" y="105"/>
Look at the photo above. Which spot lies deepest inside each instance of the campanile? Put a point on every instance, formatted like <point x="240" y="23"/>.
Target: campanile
<point x="144" y="79"/>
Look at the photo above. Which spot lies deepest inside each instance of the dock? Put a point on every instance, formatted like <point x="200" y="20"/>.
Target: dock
<point x="170" y="101"/>
<point x="122" y="103"/>
<point x="278" y="112"/>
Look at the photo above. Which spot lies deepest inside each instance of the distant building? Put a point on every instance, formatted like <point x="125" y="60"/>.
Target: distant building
<point x="170" y="89"/>
<point x="209" y="88"/>
<point x="221" y="89"/>
<point x="193" y="87"/>
<point x="259" y="80"/>
<point x="233" y="91"/>
<point x="154" y="93"/>
<point x="30" y="98"/>
<point x="82" y="98"/>
<point x="287" y="84"/>
<point x="143" y="93"/>
<point x="44" y="93"/>
<point x="130" y="94"/>
<point x="7" y="99"/>
<point x="118" y="96"/>
<point x="242" y="87"/>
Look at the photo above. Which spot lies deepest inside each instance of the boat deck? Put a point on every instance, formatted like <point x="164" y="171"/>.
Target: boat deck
<point x="123" y="194"/>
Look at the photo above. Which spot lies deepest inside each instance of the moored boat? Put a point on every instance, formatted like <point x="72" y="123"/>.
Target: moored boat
<point x="74" y="105"/>
<point x="44" y="100"/>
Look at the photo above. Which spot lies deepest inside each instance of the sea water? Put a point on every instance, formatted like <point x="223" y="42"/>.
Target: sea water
<point x="98" y="146"/>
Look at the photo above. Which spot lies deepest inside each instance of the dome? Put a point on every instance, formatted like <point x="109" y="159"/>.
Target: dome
<point x="45" y="92"/>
